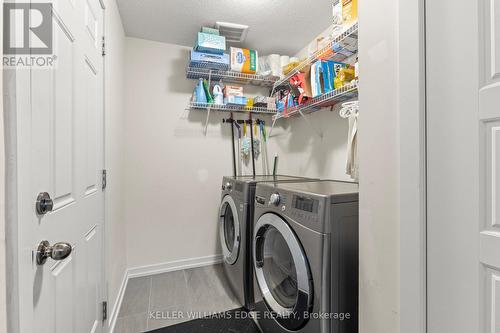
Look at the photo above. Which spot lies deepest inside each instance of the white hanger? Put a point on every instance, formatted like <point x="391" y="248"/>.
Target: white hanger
<point x="349" y="108"/>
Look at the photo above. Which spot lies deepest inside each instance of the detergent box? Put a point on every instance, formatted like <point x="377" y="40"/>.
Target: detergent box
<point x="329" y="71"/>
<point x="210" y="43"/>
<point x="349" y="11"/>
<point x="235" y="100"/>
<point x="211" y="31"/>
<point x="328" y="75"/>
<point x="233" y="91"/>
<point x="209" y="60"/>
<point x="323" y="73"/>
<point x="244" y="60"/>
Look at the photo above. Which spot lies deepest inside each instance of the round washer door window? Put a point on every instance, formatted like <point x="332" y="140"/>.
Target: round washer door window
<point x="282" y="271"/>
<point x="229" y="230"/>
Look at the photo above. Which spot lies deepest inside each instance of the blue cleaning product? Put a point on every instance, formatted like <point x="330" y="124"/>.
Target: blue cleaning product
<point x="328" y="74"/>
<point x="201" y="96"/>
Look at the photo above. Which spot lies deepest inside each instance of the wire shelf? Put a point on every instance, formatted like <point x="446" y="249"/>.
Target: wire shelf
<point x="198" y="72"/>
<point x="231" y="108"/>
<point x="339" y="49"/>
<point x="343" y="94"/>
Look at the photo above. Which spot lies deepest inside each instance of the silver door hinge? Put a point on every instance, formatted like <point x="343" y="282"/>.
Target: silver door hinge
<point x="104" y="311"/>
<point x="103" y="46"/>
<point x="104" y="179"/>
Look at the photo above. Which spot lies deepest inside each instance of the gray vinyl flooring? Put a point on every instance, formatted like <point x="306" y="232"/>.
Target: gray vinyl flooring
<point x="167" y="299"/>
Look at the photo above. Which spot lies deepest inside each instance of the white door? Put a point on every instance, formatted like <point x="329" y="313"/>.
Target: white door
<point x="60" y="151"/>
<point x="463" y="124"/>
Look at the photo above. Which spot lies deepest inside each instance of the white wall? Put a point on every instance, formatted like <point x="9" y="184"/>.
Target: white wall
<point x="303" y="152"/>
<point x="116" y="264"/>
<point x="173" y="172"/>
<point x="379" y="166"/>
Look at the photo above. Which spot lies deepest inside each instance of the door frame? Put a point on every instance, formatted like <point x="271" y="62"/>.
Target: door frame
<point x="413" y="178"/>
<point x="16" y="84"/>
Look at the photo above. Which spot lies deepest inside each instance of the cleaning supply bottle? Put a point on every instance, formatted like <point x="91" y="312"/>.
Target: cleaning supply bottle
<point x="218" y="95"/>
<point x="201" y="96"/>
<point x="210" y="100"/>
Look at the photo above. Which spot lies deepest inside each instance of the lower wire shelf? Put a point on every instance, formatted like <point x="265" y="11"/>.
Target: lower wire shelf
<point x="332" y="98"/>
<point x="231" y="108"/>
<point x="346" y="93"/>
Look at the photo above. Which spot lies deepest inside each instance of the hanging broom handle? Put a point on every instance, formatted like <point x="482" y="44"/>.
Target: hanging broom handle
<point x="234" y="149"/>
<point x="251" y="145"/>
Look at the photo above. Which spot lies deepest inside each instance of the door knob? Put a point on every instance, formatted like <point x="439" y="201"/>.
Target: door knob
<point x="44" y="203"/>
<point x="58" y="251"/>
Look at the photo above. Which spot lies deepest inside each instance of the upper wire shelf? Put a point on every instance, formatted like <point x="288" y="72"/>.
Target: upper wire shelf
<point x="334" y="97"/>
<point x="205" y="72"/>
<point x="342" y="47"/>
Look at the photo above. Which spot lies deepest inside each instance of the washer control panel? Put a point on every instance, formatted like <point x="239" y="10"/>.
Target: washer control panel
<point x="227" y="186"/>
<point x="299" y="207"/>
<point x="304" y="208"/>
<point x="231" y="185"/>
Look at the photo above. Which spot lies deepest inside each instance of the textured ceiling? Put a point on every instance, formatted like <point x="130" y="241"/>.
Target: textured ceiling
<point x="276" y="26"/>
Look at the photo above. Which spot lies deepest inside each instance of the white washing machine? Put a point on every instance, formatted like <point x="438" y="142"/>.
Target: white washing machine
<point x="235" y="230"/>
<point x="305" y="257"/>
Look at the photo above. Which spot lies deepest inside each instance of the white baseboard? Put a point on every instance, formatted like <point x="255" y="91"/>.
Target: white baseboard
<point x="173" y="266"/>
<point x="153" y="270"/>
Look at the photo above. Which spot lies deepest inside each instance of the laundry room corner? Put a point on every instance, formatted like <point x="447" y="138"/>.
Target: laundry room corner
<point x="316" y="147"/>
<point x="173" y="168"/>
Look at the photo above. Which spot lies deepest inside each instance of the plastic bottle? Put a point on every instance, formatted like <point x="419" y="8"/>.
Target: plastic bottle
<point x="218" y="95"/>
<point x="201" y="96"/>
<point x="210" y="100"/>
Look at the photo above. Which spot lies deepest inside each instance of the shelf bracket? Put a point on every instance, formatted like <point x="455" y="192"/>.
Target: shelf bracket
<point x="206" y="122"/>
<point x="275" y="119"/>
<point x="317" y="131"/>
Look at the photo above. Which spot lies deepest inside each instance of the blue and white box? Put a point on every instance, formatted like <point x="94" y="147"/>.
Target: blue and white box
<point x="210" y="43"/>
<point x="209" y="60"/>
<point x="235" y="100"/>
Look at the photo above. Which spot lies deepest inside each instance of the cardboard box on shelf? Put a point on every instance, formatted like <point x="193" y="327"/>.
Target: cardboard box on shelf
<point x="210" y="43"/>
<point x="349" y="11"/>
<point x="233" y="91"/>
<point x="235" y="100"/>
<point x="209" y="60"/>
<point x="244" y="60"/>
<point x="211" y="31"/>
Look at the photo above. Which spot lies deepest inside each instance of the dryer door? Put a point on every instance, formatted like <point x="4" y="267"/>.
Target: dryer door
<point x="282" y="271"/>
<point x="229" y="230"/>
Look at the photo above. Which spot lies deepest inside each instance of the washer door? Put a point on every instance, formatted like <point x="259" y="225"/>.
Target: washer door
<point x="229" y="230"/>
<point x="282" y="271"/>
